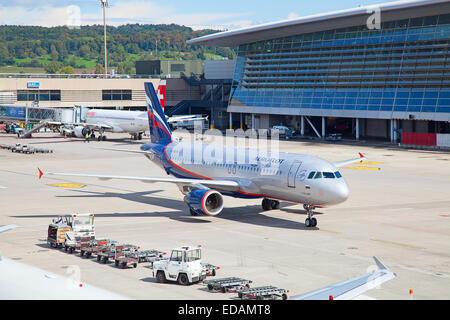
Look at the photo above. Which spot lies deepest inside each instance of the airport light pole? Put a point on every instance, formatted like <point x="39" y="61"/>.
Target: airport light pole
<point x="104" y="4"/>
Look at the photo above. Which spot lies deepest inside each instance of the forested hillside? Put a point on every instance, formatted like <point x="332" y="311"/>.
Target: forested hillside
<point x="60" y="49"/>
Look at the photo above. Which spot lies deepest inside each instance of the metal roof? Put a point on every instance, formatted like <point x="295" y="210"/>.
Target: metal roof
<point x="325" y="21"/>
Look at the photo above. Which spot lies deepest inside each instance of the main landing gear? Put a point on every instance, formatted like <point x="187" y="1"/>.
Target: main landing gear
<point x="310" y="222"/>
<point x="268" y="204"/>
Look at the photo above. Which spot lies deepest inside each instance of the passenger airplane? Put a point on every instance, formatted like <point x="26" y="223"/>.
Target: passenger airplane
<point x="133" y="122"/>
<point x="203" y="174"/>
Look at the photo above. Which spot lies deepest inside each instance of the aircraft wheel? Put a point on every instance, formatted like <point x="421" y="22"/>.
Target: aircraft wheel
<point x="275" y="204"/>
<point x="104" y="138"/>
<point x="99" y="138"/>
<point x="193" y="213"/>
<point x="266" y="204"/>
<point x="308" y="222"/>
<point x="313" y="222"/>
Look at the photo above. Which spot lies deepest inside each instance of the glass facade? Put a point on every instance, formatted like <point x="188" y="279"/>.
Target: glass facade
<point x="404" y="66"/>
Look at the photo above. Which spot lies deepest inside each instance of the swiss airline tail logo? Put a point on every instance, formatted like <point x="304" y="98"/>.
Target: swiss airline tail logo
<point x="161" y="92"/>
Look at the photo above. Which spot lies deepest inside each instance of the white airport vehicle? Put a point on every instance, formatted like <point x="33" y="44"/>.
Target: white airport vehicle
<point x="184" y="266"/>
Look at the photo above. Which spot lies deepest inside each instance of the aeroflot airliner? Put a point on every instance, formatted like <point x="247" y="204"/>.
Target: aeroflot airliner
<point x="205" y="172"/>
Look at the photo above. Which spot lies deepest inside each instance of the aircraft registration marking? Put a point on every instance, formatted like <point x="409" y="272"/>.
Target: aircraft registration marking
<point x="67" y="185"/>
<point x="399" y="244"/>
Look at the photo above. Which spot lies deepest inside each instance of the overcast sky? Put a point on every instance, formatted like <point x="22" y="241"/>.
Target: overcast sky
<point x="224" y="14"/>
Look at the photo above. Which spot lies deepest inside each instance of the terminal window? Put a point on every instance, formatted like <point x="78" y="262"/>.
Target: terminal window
<point x="116" y="95"/>
<point x="38" y="95"/>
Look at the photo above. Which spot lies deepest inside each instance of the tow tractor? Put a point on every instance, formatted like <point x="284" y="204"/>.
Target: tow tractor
<point x="184" y="266"/>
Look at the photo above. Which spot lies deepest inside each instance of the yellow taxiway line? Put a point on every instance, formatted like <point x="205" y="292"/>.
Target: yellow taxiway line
<point x="398" y="244"/>
<point x="67" y="185"/>
<point x="362" y="168"/>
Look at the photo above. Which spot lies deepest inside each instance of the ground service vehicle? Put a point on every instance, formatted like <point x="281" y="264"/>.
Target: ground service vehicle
<point x="81" y="227"/>
<point x="184" y="266"/>
<point x="57" y="235"/>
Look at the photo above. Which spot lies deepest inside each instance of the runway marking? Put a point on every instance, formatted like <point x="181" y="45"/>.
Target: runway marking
<point x="406" y="227"/>
<point x="398" y="244"/>
<point x="2" y="187"/>
<point x="67" y="185"/>
<point x="331" y="231"/>
<point x="362" y="168"/>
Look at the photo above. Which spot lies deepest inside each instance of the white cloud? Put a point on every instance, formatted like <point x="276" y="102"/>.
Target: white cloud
<point x="122" y="12"/>
<point x="44" y="16"/>
<point x="292" y="15"/>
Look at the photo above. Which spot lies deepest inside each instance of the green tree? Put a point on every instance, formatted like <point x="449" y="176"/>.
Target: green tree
<point x="67" y="70"/>
<point x="99" y="69"/>
<point x="52" y="67"/>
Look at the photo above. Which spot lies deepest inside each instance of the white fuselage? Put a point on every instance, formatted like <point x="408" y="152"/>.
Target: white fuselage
<point x="120" y="120"/>
<point x="280" y="176"/>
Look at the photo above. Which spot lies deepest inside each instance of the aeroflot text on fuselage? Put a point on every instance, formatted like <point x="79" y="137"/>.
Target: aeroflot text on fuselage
<point x="226" y="149"/>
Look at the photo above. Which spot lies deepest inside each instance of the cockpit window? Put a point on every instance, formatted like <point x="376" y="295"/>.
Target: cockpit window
<point x="338" y="174"/>
<point x="318" y="175"/>
<point x="311" y="175"/>
<point x="328" y="175"/>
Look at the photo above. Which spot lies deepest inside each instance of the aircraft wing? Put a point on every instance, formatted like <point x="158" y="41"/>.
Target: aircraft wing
<point x="8" y="227"/>
<point x="194" y="183"/>
<point x="352" y="288"/>
<point x="346" y="162"/>
<point x="95" y="126"/>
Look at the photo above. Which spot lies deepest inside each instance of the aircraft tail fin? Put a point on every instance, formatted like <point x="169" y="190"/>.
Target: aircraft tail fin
<point x="159" y="128"/>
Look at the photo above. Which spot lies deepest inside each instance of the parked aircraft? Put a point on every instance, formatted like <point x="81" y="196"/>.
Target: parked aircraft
<point x="206" y="172"/>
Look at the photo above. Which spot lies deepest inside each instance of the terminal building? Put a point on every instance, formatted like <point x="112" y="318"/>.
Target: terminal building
<point x="367" y="72"/>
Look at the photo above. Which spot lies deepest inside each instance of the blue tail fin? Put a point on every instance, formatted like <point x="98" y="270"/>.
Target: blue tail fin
<point x="159" y="128"/>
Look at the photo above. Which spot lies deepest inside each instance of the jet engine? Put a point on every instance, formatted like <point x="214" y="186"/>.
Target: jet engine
<point x="80" y="132"/>
<point x="205" y="201"/>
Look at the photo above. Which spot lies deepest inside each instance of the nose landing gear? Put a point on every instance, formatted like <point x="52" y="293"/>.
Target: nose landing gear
<point x="310" y="222"/>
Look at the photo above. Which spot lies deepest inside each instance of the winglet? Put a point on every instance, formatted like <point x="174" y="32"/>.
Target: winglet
<point x="379" y="264"/>
<point x="40" y="173"/>
<point x="361" y="155"/>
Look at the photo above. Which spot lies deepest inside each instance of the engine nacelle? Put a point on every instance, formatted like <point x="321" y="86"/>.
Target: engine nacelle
<point x="205" y="201"/>
<point x="80" y="132"/>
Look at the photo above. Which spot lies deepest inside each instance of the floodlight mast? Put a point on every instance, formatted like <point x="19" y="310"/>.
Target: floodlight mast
<point x="105" y="4"/>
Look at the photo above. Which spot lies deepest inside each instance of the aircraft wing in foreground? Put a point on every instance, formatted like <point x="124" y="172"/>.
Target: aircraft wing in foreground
<point x="353" y="288"/>
<point x="19" y="281"/>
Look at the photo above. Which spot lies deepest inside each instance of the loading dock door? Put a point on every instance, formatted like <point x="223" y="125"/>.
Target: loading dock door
<point x="293" y="173"/>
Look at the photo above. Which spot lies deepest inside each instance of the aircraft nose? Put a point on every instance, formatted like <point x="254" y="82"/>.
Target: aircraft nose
<point x="341" y="192"/>
<point x="338" y="193"/>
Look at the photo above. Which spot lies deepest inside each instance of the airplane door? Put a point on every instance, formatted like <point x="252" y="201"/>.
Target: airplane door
<point x="293" y="173"/>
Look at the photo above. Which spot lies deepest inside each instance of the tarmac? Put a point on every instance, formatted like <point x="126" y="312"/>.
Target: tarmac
<point x="398" y="211"/>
